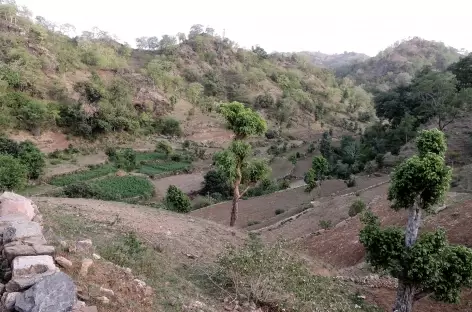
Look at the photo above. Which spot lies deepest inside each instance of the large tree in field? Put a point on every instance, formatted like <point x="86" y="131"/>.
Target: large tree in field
<point x="426" y="264"/>
<point x="234" y="162"/>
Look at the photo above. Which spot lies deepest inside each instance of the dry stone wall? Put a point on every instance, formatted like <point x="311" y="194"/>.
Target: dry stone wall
<point x="30" y="279"/>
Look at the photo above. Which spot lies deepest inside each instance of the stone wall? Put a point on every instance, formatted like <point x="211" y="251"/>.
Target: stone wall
<point x="30" y="279"/>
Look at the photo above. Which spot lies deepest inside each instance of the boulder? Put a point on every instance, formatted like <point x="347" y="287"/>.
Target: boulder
<point x="9" y="299"/>
<point x="29" y="270"/>
<point x="14" y="204"/>
<point x="54" y="293"/>
<point x="86" y="264"/>
<point x="63" y="262"/>
<point x="84" y="245"/>
<point x="18" y="230"/>
<point x="18" y="250"/>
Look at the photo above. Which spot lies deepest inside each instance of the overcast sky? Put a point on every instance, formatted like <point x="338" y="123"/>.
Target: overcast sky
<point x="330" y="26"/>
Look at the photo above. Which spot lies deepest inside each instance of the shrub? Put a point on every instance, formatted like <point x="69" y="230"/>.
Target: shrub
<point x="279" y="211"/>
<point x="351" y="182"/>
<point x="32" y="158"/>
<point x="201" y="202"/>
<point x="271" y="134"/>
<point x="251" y="223"/>
<point x="126" y="159"/>
<point x="13" y="174"/>
<point x="170" y="126"/>
<point x="164" y="147"/>
<point x="356" y="207"/>
<point x="216" y="182"/>
<point x="264" y="101"/>
<point x="176" y="157"/>
<point x="80" y="190"/>
<point x="325" y="224"/>
<point x="176" y="200"/>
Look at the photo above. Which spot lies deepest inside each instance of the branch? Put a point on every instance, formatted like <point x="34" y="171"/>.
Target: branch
<point x="422" y="294"/>
<point x="244" y="192"/>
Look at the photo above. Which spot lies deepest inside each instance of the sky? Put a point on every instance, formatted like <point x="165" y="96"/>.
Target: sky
<point x="329" y="26"/>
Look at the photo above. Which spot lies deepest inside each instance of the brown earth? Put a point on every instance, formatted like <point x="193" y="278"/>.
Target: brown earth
<point x="262" y="209"/>
<point x="47" y="142"/>
<point x="188" y="183"/>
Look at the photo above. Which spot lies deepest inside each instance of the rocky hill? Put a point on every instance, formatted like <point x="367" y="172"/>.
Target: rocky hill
<point x="399" y="63"/>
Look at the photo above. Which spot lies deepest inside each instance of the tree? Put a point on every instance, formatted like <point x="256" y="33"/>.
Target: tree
<point x="176" y="200"/>
<point x="234" y="162"/>
<point x="32" y="158"/>
<point x="142" y="43"/>
<point x="195" y="30"/>
<point x="181" y="37"/>
<point x="165" y="147"/>
<point x="13" y="174"/>
<point x="463" y="71"/>
<point x="424" y="264"/>
<point x="317" y="173"/>
<point x="325" y="145"/>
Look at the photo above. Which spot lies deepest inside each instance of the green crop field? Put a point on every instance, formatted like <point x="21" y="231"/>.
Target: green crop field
<point x="155" y="169"/>
<point x="81" y="176"/>
<point x="117" y="188"/>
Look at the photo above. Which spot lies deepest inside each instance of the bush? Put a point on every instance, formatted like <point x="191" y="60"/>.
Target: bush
<point x="351" y="182"/>
<point x="264" y="101"/>
<point x="170" y="126"/>
<point x="251" y="223"/>
<point x="125" y="159"/>
<point x="279" y="211"/>
<point x="176" y="200"/>
<point x="271" y="134"/>
<point x="176" y="157"/>
<point x="32" y="158"/>
<point x="216" y="182"/>
<point x="80" y="190"/>
<point x="13" y="174"/>
<point x="201" y="202"/>
<point x="356" y="207"/>
<point x="325" y="224"/>
<point x="164" y="147"/>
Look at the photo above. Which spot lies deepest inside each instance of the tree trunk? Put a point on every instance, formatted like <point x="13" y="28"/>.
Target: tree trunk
<point x="406" y="291"/>
<point x="236" y="196"/>
<point x="405" y="296"/>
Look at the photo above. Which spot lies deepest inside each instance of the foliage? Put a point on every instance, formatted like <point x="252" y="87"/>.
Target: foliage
<point x="170" y="126"/>
<point x="243" y="121"/>
<point x="81" y="176"/>
<point x="356" y="207"/>
<point x="121" y="188"/>
<point x="32" y="158"/>
<point x="279" y="211"/>
<point x="13" y="174"/>
<point x="325" y="224"/>
<point x="427" y="264"/>
<point x="154" y="169"/>
<point x="216" y="182"/>
<point x="80" y="190"/>
<point x="125" y="159"/>
<point x="176" y="200"/>
<point x="317" y="173"/>
<point x="351" y="182"/>
<point x="462" y="69"/>
<point x="164" y="147"/>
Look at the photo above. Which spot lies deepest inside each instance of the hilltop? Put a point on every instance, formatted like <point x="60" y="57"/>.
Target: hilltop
<point x="399" y="63"/>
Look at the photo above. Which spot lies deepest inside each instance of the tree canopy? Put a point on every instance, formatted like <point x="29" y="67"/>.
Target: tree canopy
<point x="243" y="121"/>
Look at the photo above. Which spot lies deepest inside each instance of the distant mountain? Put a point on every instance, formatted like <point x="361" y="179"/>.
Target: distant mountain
<point x="398" y="63"/>
<point x="334" y="61"/>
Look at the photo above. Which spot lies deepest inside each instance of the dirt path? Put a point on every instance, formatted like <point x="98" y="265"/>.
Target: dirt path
<point x="173" y="232"/>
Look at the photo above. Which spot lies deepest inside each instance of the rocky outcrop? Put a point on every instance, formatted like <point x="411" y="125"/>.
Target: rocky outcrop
<point x="31" y="281"/>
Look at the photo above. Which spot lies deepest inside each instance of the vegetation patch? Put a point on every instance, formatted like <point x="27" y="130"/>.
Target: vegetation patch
<point x="118" y="188"/>
<point x="92" y="173"/>
<point x="153" y="169"/>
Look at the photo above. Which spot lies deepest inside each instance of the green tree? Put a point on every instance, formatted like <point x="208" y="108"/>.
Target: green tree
<point x="235" y="162"/>
<point x="424" y="264"/>
<point x="32" y="158"/>
<point x="165" y="147"/>
<point x="317" y="173"/>
<point x="463" y="71"/>
<point x="13" y="174"/>
<point x="176" y="200"/>
<point x="325" y="145"/>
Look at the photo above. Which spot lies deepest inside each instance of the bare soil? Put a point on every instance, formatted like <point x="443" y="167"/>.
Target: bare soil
<point x="188" y="183"/>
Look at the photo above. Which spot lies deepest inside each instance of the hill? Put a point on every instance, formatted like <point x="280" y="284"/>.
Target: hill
<point x="335" y="61"/>
<point x="399" y="63"/>
<point x="92" y="85"/>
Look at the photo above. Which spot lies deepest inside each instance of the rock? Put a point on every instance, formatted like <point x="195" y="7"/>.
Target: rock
<point x="86" y="264"/>
<point x="96" y="257"/>
<point x="84" y="245"/>
<point x="18" y="230"/>
<point x="63" y="245"/>
<point x="78" y="306"/>
<point x="28" y="270"/>
<point x="18" y="250"/>
<point x="103" y="300"/>
<point x="89" y="309"/>
<point x="2" y="288"/>
<point x="107" y="292"/>
<point x="9" y="299"/>
<point x="63" y="262"/>
<point x="14" y="204"/>
<point x="54" y="293"/>
<point x="140" y="283"/>
<point x="128" y="271"/>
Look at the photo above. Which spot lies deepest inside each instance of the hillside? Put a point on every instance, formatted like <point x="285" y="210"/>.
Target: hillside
<point x="335" y="61"/>
<point x="91" y="85"/>
<point x="398" y="64"/>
